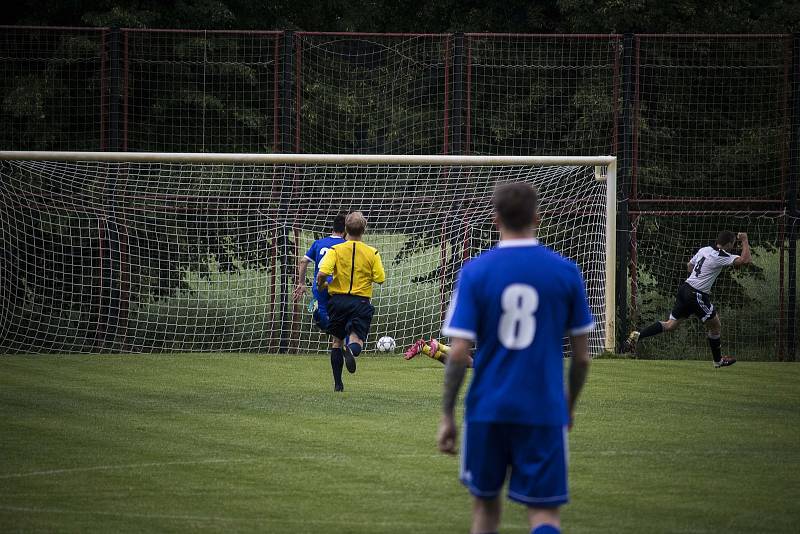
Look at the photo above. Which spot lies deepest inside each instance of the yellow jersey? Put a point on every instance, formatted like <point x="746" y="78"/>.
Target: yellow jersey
<point x="354" y="266"/>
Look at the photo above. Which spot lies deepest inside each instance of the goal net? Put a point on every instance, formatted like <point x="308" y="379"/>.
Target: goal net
<point x="134" y="252"/>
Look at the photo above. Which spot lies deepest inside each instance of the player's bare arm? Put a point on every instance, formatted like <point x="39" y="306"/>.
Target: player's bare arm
<point x="300" y="289"/>
<point x="689" y="267"/>
<point x="578" y="370"/>
<point x="322" y="280"/>
<point x="454" y="373"/>
<point x="745" y="257"/>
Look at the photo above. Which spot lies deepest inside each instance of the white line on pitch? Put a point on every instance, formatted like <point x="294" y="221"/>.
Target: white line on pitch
<point x="199" y="462"/>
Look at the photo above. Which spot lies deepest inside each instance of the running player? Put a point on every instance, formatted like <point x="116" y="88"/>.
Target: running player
<point x="694" y="295"/>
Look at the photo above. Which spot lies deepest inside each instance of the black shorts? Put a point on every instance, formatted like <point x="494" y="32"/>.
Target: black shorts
<point x="690" y="301"/>
<point x="349" y="313"/>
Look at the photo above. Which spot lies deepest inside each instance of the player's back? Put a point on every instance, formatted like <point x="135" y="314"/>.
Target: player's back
<point x="322" y="246"/>
<point x="707" y="263"/>
<point x="526" y="298"/>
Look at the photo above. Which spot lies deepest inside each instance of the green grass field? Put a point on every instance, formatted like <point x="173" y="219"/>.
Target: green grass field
<point x="177" y="443"/>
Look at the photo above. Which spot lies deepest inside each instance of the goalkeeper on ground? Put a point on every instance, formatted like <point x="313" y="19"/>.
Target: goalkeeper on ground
<point x="433" y="349"/>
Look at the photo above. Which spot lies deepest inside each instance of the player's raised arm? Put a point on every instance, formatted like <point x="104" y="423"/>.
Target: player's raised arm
<point x="745" y="257"/>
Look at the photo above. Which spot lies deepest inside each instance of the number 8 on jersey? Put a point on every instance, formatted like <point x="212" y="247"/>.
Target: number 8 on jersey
<point x="517" y="326"/>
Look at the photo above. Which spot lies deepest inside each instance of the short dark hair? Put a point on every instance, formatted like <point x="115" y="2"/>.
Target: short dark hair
<point x="338" y="222"/>
<point x="516" y="204"/>
<point x="725" y="237"/>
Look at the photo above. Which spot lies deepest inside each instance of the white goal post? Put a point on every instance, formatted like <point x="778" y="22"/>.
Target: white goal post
<point x="145" y="252"/>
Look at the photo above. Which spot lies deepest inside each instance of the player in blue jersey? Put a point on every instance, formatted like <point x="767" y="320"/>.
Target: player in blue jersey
<point x="315" y="253"/>
<point x="516" y="302"/>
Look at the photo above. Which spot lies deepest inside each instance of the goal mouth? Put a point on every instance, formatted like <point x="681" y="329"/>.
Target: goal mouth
<point x="151" y="252"/>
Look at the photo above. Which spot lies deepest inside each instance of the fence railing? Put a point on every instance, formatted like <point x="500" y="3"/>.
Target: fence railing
<point x="705" y="128"/>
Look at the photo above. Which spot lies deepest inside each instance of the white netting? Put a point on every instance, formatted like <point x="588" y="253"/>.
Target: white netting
<point x="175" y="257"/>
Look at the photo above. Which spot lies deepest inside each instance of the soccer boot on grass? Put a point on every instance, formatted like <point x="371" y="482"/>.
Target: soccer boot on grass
<point x="725" y="361"/>
<point x="414" y="349"/>
<point x="433" y="345"/>
<point x="630" y="343"/>
<point x="349" y="359"/>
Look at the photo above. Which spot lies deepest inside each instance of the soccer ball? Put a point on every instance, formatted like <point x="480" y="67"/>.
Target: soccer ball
<point x="385" y="344"/>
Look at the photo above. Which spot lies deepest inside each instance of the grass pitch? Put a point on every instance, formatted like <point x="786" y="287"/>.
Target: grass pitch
<point x="246" y="443"/>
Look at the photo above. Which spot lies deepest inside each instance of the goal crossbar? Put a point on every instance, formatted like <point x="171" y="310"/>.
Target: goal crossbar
<point x="305" y="159"/>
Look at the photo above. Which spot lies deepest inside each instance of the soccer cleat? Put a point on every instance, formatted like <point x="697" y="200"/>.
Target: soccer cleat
<point x="725" y="361"/>
<point x="312" y="305"/>
<point x="349" y="359"/>
<point x="434" y="344"/>
<point x="414" y="349"/>
<point x="338" y="387"/>
<point x="630" y="343"/>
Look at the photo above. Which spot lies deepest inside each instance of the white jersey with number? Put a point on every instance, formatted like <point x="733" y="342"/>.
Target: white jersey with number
<point x="707" y="264"/>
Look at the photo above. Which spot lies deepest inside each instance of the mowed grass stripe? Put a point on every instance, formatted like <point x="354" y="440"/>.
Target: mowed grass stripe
<point x="254" y="443"/>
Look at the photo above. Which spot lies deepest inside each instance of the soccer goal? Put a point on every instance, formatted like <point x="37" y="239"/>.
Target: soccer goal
<point x="152" y="252"/>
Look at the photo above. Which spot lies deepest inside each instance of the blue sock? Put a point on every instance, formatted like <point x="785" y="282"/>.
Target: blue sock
<point x="355" y="348"/>
<point x="546" y="529"/>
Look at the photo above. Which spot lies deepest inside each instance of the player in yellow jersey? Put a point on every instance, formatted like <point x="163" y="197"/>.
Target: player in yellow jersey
<point x="355" y="266"/>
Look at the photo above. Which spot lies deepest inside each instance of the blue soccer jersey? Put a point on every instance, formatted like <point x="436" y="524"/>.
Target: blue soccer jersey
<point x="517" y="302"/>
<point x="318" y="250"/>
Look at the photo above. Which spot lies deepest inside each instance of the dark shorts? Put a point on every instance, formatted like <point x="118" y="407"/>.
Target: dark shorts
<point x="349" y="313"/>
<point x="534" y="458"/>
<point x="690" y="301"/>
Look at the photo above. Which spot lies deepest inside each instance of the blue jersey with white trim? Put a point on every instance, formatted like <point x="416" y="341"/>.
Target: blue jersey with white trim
<point x="517" y="302"/>
<point x="317" y="251"/>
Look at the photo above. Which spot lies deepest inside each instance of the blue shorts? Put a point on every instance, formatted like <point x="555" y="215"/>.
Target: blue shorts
<point x="321" y="313"/>
<point x="535" y="457"/>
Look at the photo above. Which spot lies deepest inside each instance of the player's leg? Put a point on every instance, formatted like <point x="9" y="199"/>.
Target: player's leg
<point x="359" y="324"/>
<point x="683" y="308"/>
<point x="484" y="462"/>
<point x="415" y="349"/>
<point x="714" y="334"/>
<point x="337" y="363"/>
<point x="433" y="349"/>
<point x="337" y="331"/>
<point x="539" y="474"/>
<point x="436" y="350"/>
<point x="320" y="314"/>
<point x="544" y="520"/>
<point x="485" y="515"/>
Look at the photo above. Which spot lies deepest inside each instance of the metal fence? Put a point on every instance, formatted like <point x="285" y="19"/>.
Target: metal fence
<point x="705" y="127"/>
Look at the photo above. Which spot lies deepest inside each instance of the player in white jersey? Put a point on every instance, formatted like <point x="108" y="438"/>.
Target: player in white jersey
<point x="693" y="295"/>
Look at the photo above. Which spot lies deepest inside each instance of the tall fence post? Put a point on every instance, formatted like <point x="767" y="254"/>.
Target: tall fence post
<point x="110" y="304"/>
<point x="458" y="92"/>
<point x="287" y="146"/>
<point x="791" y="203"/>
<point x="115" y="90"/>
<point x="625" y="159"/>
<point x="454" y="134"/>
